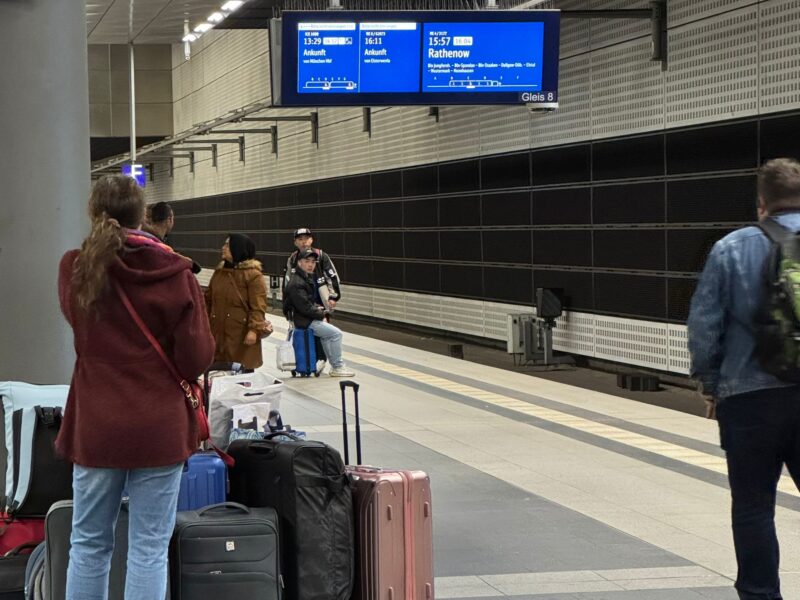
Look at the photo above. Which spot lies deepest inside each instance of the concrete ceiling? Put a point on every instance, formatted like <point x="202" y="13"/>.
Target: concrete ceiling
<point x="143" y="21"/>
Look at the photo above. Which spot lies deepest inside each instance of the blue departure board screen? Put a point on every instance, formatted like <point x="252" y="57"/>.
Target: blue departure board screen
<point x="378" y="58"/>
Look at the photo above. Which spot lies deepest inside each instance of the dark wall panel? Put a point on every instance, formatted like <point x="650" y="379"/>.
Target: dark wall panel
<point x="385" y="214"/>
<point x="461" y="245"/>
<point x="421" y="213"/>
<point x="358" y="243"/>
<point x="510" y="208"/>
<point x="422" y="277"/>
<point x="571" y="247"/>
<point x="570" y="164"/>
<point x="387" y="244"/>
<point x="679" y="297"/>
<point x="356" y="188"/>
<point x="387" y="274"/>
<point x="508" y="285"/>
<point x="630" y="295"/>
<point x="510" y="170"/>
<point x="507" y="246"/>
<point x="420" y="182"/>
<point x="463" y="176"/>
<point x="636" y="249"/>
<point x="714" y="200"/>
<point x="780" y="137"/>
<point x="460" y="211"/>
<point x="421" y="244"/>
<point x="562" y="207"/>
<point x="358" y="216"/>
<point x="629" y="158"/>
<point x="462" y="281"/>
<point x="388" y="184"/>
<point x="718" y="148"/>
<point x="629" y="203"/>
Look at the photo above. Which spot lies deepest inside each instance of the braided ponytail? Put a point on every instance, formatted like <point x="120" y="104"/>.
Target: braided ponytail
<point x="116" y="201"/>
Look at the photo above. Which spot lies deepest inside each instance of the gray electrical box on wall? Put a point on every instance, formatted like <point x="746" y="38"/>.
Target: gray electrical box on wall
<point x="517" y="323"/>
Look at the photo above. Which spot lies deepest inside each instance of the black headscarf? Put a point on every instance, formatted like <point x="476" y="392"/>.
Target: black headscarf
<point x="242" y="248"/>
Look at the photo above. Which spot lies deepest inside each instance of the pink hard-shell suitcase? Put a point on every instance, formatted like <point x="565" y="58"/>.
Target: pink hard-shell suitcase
<point x="394" y="528"/>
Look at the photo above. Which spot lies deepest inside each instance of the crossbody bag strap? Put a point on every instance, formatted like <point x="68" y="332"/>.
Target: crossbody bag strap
<point x="187" y="390"/>
<point x="241" y="298"/>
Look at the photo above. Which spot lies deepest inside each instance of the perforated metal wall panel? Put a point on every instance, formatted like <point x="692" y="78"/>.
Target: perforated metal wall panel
<point x="420" y="136"/>
<point x="605" y="32"/>
<point x="633" y="342"/>
<point x="627" y="90"/>
<point x="459" y="132"/>
<point x="572" y="121"/>
<point x="713" y="69"/>
<point x="780" y="58"/>
<point x="681" y="12"/>
<point x="504" y="128"/>
<point x="574" y="32"/>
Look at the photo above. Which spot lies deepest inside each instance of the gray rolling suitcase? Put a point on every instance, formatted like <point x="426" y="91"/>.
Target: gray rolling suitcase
<point x="57" y="529"/>
<point x="226" y="551"/>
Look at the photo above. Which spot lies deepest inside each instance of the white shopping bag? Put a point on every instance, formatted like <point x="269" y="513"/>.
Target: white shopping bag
<point x="285" y="355"/>
<point x="237" y="390"/>
<point x="251" y="416"/>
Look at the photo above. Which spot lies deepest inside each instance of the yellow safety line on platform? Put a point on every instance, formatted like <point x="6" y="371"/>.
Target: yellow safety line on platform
<point x="622" y="436"/>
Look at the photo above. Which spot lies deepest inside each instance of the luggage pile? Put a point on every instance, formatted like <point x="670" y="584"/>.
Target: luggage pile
<point x="291" y="519"/>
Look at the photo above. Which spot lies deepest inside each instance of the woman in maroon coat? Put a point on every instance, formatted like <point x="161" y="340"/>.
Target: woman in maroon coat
<point x="127" y="425"/>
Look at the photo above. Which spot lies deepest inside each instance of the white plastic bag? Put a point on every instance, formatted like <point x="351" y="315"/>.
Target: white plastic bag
<point x="285" y="355"/>
<point x="237" y="390"/>
<point x="251" y="416"/>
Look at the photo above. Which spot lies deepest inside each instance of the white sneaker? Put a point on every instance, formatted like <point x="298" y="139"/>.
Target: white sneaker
<point x="340" y="372"/>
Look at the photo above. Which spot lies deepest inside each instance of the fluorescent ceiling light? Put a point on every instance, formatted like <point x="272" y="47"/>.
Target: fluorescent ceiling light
<point x="232" y="5"/>
<point x="216" y="17"/>
<point x="203" y="27"/>
<point x="190" y="37"/>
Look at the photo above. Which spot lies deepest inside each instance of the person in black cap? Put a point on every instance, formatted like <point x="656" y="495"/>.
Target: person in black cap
<point x="328" y="292"/>
<point x="300" y="305"/>
<point x="236" y="300"/>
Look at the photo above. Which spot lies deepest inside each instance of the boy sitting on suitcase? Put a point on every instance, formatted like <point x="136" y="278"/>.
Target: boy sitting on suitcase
<point x="303" y="306"/>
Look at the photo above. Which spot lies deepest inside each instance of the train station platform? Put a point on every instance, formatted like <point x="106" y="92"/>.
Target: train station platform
<point x="543" y="490"/>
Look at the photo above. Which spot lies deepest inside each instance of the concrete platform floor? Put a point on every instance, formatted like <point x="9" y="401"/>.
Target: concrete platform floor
<point x="543" y="489"/>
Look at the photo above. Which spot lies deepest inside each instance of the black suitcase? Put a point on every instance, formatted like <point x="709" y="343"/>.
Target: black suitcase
<point x="13" y="565"/>
<point x="58" y="528"/>
<point x="226" y="551"/>
<point x="306" y="483"/>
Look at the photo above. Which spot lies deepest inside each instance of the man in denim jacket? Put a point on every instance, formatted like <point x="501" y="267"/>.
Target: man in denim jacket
<point x="759" y="415"/>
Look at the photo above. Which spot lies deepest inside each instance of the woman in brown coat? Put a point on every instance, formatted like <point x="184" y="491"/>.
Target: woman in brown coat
<point x="236" y="300"/>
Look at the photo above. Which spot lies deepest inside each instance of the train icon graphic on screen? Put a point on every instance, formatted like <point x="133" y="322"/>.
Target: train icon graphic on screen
<point x="471" y="84"/>
<point x="328" y="85"/>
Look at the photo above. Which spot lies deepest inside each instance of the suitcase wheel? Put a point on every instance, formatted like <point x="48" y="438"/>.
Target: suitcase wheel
<point x="316" y="373"/>
<point x="294" y="373"/>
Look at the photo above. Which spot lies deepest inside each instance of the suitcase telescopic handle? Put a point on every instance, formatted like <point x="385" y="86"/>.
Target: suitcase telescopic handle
<point x="343" y="385"/>
<point x="225" y="506"/>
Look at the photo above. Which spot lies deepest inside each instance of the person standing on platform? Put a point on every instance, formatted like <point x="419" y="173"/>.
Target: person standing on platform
<point x="159" y="222"/>
<point x="236" y="299"/>
<point x="758" y="412"/>
<point x="127" y="424"/>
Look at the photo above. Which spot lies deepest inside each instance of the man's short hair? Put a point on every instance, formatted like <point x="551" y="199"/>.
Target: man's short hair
<point x="160" y="212"/>
<point x="779" y="184"/>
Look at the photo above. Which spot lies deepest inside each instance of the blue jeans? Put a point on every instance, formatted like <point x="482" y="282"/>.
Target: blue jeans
<point x="153" y="503"/>
<point x="760" y="432"/>
<point x="331" y="338"/>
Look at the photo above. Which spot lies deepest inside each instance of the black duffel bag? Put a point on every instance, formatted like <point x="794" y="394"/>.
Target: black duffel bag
<point x="305" y="482"/>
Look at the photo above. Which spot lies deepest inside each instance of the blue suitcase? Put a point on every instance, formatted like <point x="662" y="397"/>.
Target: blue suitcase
<point x="203" y="481"/>
<point x="305" y="353"/>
